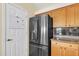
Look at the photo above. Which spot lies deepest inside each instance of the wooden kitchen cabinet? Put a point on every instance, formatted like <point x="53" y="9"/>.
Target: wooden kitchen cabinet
<point x="66" y="17"/>
<point x="73" y="49"/>
<point x="62" y="51"/>
<point x="59" y="17"/>
<point x="64" y="48"/>
<point x="70" y="16"/>
<point x="54" y="49"/>
<point x="69" y="49"/>
<point x="73" y="15"/>
<point x="76" y="14"/>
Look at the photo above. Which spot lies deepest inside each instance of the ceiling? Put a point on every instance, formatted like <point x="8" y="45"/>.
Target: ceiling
<point x="46" y="5"/>
<point x="43" y="7"/>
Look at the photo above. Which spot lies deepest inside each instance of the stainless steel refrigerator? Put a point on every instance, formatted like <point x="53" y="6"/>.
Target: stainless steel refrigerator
<point x="40" y="33"/>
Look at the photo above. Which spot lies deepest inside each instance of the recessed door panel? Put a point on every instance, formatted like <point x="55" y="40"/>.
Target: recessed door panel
<point x="15" y="17"/>
<point x="11" y="43"/>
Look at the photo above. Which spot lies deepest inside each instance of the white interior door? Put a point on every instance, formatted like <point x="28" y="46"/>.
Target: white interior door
<point x="15" y="31"/>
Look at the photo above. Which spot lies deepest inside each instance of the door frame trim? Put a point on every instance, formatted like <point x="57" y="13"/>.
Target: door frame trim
<point x="3" y="29"/>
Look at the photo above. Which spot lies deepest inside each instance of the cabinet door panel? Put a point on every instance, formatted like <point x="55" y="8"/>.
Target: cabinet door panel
<point x="70" y="16"/>
<point x="59" y="18"/>
<point x="73" y="52"/>
<point x="73" y="49"/>
<point x="76" y="15"/>
<point x="54" y="49"/>
<point x="64" y="49"/>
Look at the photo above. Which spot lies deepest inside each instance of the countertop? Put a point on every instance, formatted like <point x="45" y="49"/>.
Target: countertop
<point x="66" y="40"/>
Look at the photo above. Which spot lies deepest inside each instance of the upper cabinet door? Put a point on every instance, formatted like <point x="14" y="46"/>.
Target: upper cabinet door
<point x="66" y="17"/>
<point x="70" y="16"/>
<point x="59" y="17"/>
<point x="76" y="15"/>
